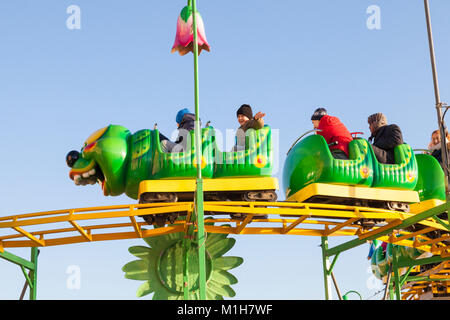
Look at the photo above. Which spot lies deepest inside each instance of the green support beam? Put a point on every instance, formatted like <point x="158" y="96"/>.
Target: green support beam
<point x="31" y="277"/>
<point x="33" y="273"/>
<point x="421" y="262"/>
<point x="17" y="260"/>
<point x="396" y="274"/>
<point x="406" y="223"/>
<point x="199" y="214"/>
<point x="422" y="278"/>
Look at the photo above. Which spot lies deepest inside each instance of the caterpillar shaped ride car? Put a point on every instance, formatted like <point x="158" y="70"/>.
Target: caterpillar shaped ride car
<point x="312" y="174"/>
<point x="134" y="164"/>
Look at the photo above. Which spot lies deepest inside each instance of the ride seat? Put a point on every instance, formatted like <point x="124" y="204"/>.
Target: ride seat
<point x="255" y="160"/>
<point x="181" y="165"/>
<point x="401" y="175"/>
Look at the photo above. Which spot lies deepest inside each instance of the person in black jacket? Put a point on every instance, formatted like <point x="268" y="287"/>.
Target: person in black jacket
<point x="385" y="138"/>
<point x="186" y="123"/>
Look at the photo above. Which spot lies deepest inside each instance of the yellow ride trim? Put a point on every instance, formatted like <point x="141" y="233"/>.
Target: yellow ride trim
<point x="189" y="185"/>
<point x="342" y="191"/>
<point x="425" y="205"/>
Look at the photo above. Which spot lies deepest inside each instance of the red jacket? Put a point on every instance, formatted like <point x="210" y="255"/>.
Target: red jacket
<point x="333" y="130"/>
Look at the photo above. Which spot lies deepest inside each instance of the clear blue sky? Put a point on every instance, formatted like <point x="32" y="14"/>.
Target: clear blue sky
<point x="285" y="58"/>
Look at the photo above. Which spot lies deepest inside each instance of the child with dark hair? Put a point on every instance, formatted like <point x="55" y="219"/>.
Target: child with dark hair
<point x="247" y="121"/>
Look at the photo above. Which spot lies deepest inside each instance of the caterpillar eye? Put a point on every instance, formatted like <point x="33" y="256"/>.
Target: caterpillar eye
<point x="72" y="157"/>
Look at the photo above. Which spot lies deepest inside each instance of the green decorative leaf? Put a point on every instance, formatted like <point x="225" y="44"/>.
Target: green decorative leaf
<point x="220" y="289"/>
<point x="152" y="241"/>
<point x="173" y="236"/>
<point x="161" y="266"/>
<point x="161" y="295"/>
<point x="144" y="289"/>
<point x="186" y="13"/>
<point x="135" y="265"/>
<point x="140" y="251"/>
<point x="212" y="238"/>
<point x="224" y="277"/>
<point x="136" y="270"/>
<point x="227" y="263"/>
<point x="219" y="248"/>
<point x="213" y="296"/>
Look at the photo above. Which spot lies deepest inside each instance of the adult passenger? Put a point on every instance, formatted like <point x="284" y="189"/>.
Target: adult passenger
<point x="385" y="137"/>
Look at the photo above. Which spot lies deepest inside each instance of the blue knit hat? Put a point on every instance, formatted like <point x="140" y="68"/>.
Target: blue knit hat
<point x="181" y="114"/>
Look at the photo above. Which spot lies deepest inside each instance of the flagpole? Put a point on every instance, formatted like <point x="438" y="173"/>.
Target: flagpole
<point x="439" y="104"/>
<point x="198" y="153"/>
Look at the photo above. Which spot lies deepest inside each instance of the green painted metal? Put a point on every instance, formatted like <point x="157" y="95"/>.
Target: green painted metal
<point x="405" y="277"/>
<point x="442" y="222"/>
<point x="345" y="296"/>
<point x="406" y="223"/>
<point x="27" y="277"/>
<point x="199" y="192"/>
<point x="421" y="278"/>
<point x="17" y="260"/>
<point x="422" y="261"/>
<point x="310" y="161"/>
<point x="161" y="266"/>
<point x="396" y="273"/>
<point x="326" y="268"/>
<point x="391" y="289"/>
<point x="31" y="277"/>
<point x="33" y="273"/>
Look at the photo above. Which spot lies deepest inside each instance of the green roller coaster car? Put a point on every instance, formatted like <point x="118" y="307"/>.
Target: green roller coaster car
<point x="310" y="162"/>
<point x="119" y="160"/>
<point x="381" y="257"/>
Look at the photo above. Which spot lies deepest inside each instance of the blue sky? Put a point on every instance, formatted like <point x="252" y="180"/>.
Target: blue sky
<point x="285" y="58"/>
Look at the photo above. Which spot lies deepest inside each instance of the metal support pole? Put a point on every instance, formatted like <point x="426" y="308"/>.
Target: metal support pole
<point x="198" y="153"/>
<point x="439" y="104"/>
<point x="388" y="283"/>
<point x="336" y="285"/>
<point x="33" y="273"/>
<point x="31" y="276"/>
<point x="396" y="274"/>
<point x="326" y="268"/>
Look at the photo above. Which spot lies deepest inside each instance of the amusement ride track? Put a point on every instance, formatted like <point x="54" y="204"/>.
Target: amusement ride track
<point x="68" y="226"/>
<point x="62" y="227"/>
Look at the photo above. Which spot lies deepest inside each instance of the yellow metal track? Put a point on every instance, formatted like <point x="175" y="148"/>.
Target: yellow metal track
<point x="426" y="289"/>
<point x="69" y="226"/>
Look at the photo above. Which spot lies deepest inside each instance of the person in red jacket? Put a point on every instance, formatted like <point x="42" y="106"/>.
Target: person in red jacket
<point x="333" y="130"/>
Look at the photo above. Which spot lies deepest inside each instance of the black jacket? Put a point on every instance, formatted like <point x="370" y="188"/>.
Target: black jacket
<point x="187" y="124"/>
<point x="386" y="138"/>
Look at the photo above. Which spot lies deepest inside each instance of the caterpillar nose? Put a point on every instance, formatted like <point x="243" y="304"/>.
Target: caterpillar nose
<point x="72" y="157"/>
